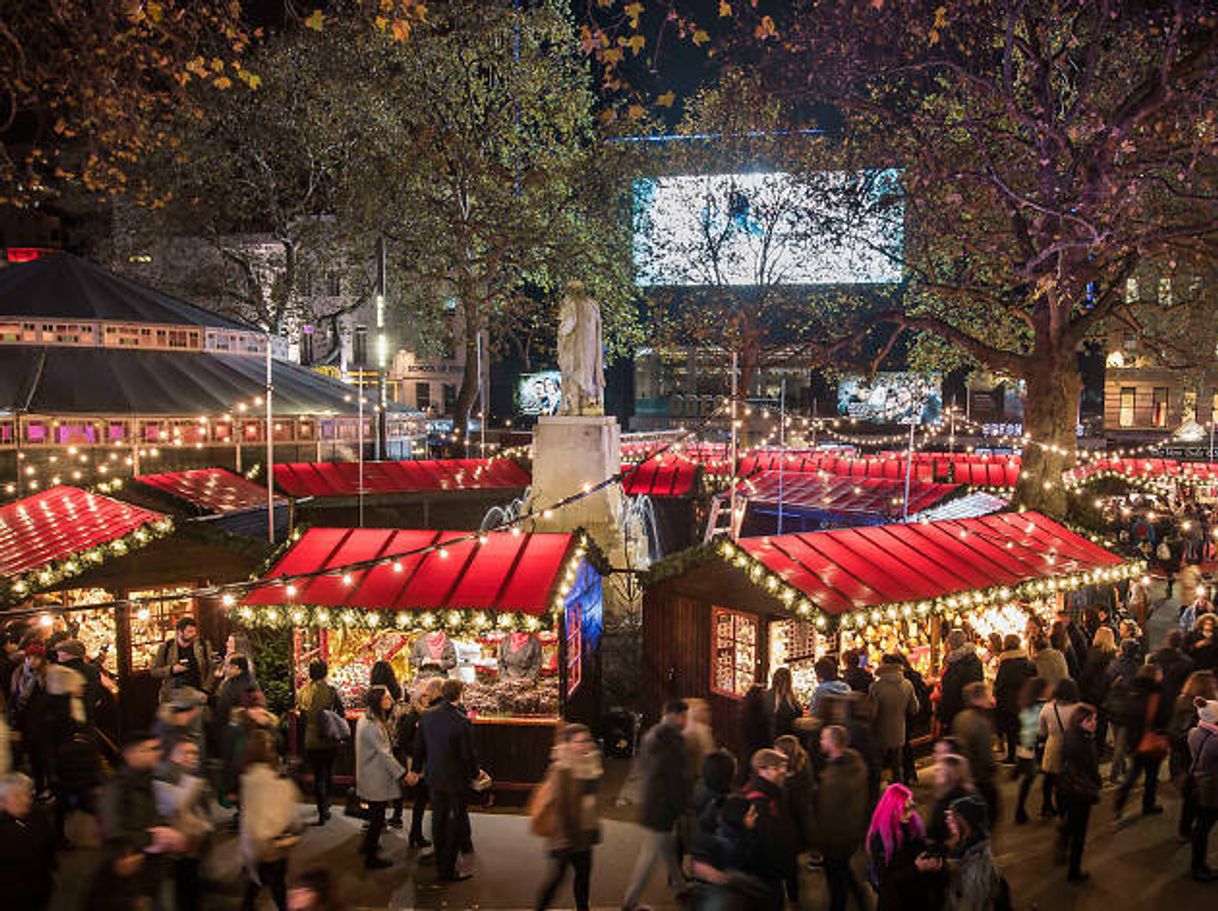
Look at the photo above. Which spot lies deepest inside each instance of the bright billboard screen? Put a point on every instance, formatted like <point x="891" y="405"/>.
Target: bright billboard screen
<point x="539" y="393"/>
<point x="892" y="398"/>
<point x="764" y="229"/>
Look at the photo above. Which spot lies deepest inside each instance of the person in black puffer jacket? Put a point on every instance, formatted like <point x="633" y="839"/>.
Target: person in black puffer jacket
<point x="712" y="789"/>
<point x="1013" y="669"/>
<point x="962" y="667"/>
<point x="1149" y="714"/>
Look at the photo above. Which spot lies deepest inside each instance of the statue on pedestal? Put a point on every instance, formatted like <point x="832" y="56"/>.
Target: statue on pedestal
<point x="580" y="357"/>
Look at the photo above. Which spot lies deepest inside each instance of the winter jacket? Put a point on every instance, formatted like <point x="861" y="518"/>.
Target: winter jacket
<point x="975" y="731"/>
<point x="1013" y="669"/>
<point x="1144" y="689"/>
<point x="777" y="836"/>
<point x="1080" y="776"/>
<point x="827" y="688"/>
<point x="27" y="861"/>
<point x="895" y="702"/>
<point x="167" y="657"/>
<point x="1094" y="682"/>
<point x="800" y="794"/>
<point x="1176" y="668"/>
<point x="378" y="774"/>
<point x="841" y="806"/>
<point x="268" y="811"/>
<point x="666" y="783"/>
<point x="900" y="886"/>
<point x="231" y="695"/>
<point x="1051" y="666"/>
<point x="974" y="883"/>
<point x="1203" y="750"/>
<point x="858" y="679"/>
<point x="1029" y="730"/>
<point x="316" y="698"/>
<point x="444" y="749"/>
<point x="963" y="668"/>
<point x="1054" y="718"/>
<point x="576" y="788"/>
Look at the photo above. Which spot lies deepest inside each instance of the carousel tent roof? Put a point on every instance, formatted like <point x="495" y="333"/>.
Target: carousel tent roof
<point x="54" y="380"/>
<point x="213" y="490"/>
<point x="63" y="286"/>
<point x="60" y="523"/>
<point x="969" y="506"/>
<point x="850" y="569"/>
<point x="837" y="493"/>
<point x="673" y="476"/>
<point x="508" y="572"/>
<point x="341" y="479"/>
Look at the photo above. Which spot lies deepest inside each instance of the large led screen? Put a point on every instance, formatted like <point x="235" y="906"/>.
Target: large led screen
<point x="765" y="229"/>
<point x="539" y="393"/>
<point x="892" y="398"/>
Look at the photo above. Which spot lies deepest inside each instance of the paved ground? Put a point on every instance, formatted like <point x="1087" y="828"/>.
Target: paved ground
<point x="1138" y="865"/>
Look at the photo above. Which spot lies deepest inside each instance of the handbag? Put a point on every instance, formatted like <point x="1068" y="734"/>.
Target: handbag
<point x="542" y="808"/>
<point x="1153" y="743"/>
<point x="334" y="727"/>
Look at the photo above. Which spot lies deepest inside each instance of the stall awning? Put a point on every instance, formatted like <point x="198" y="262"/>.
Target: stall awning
<point x="969" y="506"/>
<point x="61" y="524"/>
<point x="836" y="493"/>
<point x="670" y="476"/>
<point x="499" y="571"/>
<point x="213" y="490"/>
<point x="885" y="565"/>
<point x="341" y="479"/>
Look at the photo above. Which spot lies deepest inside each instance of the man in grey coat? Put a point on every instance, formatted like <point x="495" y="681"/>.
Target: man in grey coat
<point x="895" y="701"/>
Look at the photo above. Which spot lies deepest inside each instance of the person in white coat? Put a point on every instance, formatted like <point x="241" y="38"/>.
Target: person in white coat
<point x="378" y="774"/>
<point x="269" y="824"/>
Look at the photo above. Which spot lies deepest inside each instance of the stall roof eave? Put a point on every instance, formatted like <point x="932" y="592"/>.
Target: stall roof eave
<point x="330" y="480"/>
<point x="211" y="490"/>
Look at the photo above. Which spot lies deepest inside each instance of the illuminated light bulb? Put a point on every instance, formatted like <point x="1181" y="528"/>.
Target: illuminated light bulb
<point x="45" y="620"/>
<point x="347" y="579"/>
<point x="228" y="600"/>
<point x="290" y="591"/>
<point x="397" y="566"/>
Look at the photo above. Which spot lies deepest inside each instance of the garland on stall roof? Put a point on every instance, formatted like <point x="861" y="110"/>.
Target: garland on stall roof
<point x="20" y="587"/>
<point x="456" y="622"/>
<point x="947" y="605"/>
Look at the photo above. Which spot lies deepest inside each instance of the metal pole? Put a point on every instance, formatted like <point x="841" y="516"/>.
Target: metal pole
<point x="359" y="437"/>
<point x="952" y="417"/>
<point x="382" y="348"/>
<point x="732" y="467"/>
<point x="270" y="448"/>
<point x="17" y="443"/>
<point x="782" y="444"/>
<point x="908" y="473"/>
<point x="815" y="420"/>
<point x="481" y="401"/>
<point x="1213" y="421"/>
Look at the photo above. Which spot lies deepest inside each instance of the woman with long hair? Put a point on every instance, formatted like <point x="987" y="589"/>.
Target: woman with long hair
<point x="896" y="847"/>
<point x="953" y="779"/>
<point x="783" y="703"/>
<point x="1200" y="686"/>
<point x="1078" y="786"/>
<point x="573" y="781"/>
<point x="378" y="774"/>
<point x="382" y="675"/>
<point x="1054" y="718"/>
<point x="1096" y="677"/>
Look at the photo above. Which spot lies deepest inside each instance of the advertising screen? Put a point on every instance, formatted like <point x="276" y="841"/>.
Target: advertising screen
<point x="764" y="229"/>
<point x="892" y="398"/>
<point x="539" y="393"/>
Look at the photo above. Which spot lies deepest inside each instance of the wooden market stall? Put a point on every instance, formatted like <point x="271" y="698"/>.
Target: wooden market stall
<point x="670" y="484"/>
<point x="719" y="618"/>
<point x="64" y="550"/>
<point x="490" y="595"/>
<point x="217" y="496"/>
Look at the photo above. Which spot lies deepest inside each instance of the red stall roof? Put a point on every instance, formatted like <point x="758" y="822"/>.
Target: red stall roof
<point x="341" y="479"/>
<point x="62" y="522"/>
<point x="215" y="490"/>
<point x="663" y="476"/>
<point x="506" y="573"/>
<point x="855" y="568"/>
<point x="838" y="493"/>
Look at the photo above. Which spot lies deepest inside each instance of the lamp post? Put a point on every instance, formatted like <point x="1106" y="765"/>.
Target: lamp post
<point x="270" y="448"/>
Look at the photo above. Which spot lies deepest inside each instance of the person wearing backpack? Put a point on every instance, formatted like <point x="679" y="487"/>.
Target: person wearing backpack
<point x="565" y="812"/>
<point x="317" y="701"/>
<point x="1203" y="782"/>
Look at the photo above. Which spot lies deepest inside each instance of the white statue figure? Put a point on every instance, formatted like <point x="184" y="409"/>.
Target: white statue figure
<point x="579" y="353"/>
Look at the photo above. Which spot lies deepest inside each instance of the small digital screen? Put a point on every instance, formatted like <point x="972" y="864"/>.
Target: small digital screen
<point x="539" y="393"/>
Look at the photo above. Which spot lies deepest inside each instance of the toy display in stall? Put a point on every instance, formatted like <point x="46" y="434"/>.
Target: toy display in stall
<point x="154" y="622"/>
<point x="793" y="645"/>
<point x="351" y="652"/>
<point x="735" y="652"/>
<point x="909" y="635"/>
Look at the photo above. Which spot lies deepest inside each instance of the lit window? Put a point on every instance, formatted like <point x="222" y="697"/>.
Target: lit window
<point x="733" y="652"/>
<point x="1129" y="397"/>
<point x="1162" y="398"/>
<point x="575" y="646"/>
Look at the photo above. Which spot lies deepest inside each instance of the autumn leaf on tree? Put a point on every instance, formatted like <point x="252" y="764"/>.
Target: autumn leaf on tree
<point x="634" y="11"/>
<point x="315" y="20"/>
<point x="766" y="29"/>
<point x="401" y="30"/>
<point x="636" y="43"/>
<point x="635" y="112"/>
<point x="666" y="100"/>
<point x="725" y="8"/>
<point x="700" y="37"/>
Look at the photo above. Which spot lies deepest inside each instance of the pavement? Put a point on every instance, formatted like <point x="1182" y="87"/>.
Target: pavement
<point x="1134" y="865"/>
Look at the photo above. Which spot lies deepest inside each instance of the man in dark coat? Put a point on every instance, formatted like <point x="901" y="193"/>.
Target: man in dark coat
<point x="71" y="653"/>
<point x="135" y="834"/>
<point x="776" y="832"/>
<point x="666" y="793"/>
<point x="963" y="667"/>
<point x="1148" y="714"/>
<point x="27" y="848"/>
<point x="238" y="684"/>
<point x="444" y="750"/>
<point x="1175" y="664"/>
<point x="1014" y="669"/>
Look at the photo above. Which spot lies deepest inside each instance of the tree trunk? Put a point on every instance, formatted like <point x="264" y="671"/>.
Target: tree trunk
<point x="1050" y="418"/>
<point x="469" y="384"/>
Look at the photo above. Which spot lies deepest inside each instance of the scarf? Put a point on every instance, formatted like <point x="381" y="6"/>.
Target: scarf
<point x="435" y="644"/>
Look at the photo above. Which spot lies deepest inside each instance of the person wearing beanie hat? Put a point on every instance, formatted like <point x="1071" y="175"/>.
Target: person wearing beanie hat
<point x="1203" y="785"/>
<point x="974" y="883"/>
<point x="962" y="667"/>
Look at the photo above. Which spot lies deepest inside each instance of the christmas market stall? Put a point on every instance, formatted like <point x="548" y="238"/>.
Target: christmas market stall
<point x="719" y="618"/>
<point x="72" y="561"/>
<point x="662" y="489"/>
<point x="424" y="493"/>
<point x="515" y="615"/>
<point x="216" y="496"/>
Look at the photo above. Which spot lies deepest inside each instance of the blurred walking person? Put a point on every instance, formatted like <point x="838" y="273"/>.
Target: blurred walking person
<point x="1078" y="787"/>
<point x="269" y="825"/>
<point x="573" y="782"/>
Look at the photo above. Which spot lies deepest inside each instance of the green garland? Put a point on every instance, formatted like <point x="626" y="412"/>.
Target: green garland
<point x="456" y="622"/>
